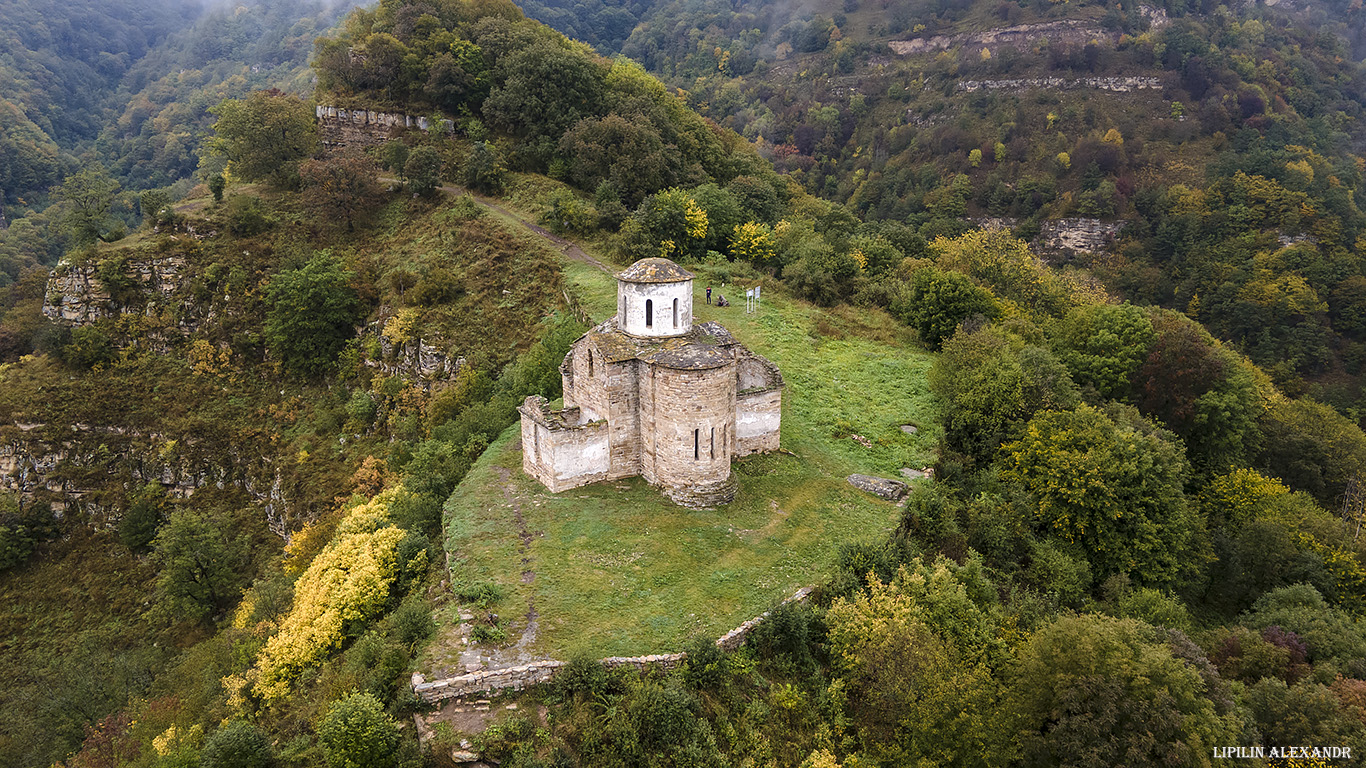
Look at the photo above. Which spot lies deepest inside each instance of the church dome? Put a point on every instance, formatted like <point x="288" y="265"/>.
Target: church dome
<point x="654" y="271"/>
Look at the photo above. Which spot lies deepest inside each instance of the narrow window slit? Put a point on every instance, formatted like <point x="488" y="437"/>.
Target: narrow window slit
<point x="696" y="444"/>
<point x="649" y="313"/>
<point x="675" y="313"/>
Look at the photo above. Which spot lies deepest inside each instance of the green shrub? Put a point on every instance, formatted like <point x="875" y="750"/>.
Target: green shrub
<point x="356" y="733"/>
<point x="246" y="216"/>
<point x="238" y="744"/>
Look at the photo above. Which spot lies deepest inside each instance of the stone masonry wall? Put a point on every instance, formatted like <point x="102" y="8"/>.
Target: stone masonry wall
<point x="362" y="128"/>
<point x="694" y="427"/>
<point x="558" y="450"/>
<point x="758" y="421"/>
<point x="540" y="672"/>
<point x="607" y="390"/>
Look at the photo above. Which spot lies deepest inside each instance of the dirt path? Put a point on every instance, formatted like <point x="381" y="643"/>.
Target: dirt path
<point x="521" y="650"/>
<point x="567" y="247"/>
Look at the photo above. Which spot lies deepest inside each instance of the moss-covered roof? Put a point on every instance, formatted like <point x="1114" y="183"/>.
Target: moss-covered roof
<point x="654" y="271"/>
<point x="707" y="345"/>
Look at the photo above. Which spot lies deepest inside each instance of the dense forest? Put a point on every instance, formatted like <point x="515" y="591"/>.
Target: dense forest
<point x="218" y="337"/>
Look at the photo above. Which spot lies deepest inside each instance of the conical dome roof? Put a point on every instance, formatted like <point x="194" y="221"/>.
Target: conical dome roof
<point x="654" y="270"/>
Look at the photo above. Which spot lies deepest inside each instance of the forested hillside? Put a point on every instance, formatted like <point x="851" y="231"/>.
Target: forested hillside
<point x="127" y="87"/>
<point x="60" y="66"/>
<point x="1157" y="116"/>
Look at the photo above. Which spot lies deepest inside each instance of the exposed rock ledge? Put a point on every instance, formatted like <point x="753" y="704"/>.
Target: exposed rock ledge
<point x="1117" y="84"/>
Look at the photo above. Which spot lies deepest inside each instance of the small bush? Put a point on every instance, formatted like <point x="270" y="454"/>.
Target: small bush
<point x="583" y="675"/>
<point x="246" y="216"/>
<point x="488" y="633"/>
<point x="706" y="664"/>
<point x="412" y="622"/>
<point x="483" y="594"/>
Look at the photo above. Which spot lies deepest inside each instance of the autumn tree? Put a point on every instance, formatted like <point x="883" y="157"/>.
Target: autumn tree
<point x="1003" y="263"/>
<point x="1103" y="345"/>
<point x="918" y="690"/>
<point x="990" y="382"/>
<point x="265" y="136"/>
<point x="1312" y="447"/>
<point x="628" y="153"/>
<point x="343" y="188"/>
<point x="237" y="744"/>
<point x="201" y="564"/>
<point x="938" y="301"/>
<point x="543" y="90"/>
<point x="422" y="168"/>
<point x="484" y="169"/>
<point x="752" y="242"/>
<point x="1199" y="391"/>
<point x="358" y="733"/>
<point x="669" y="224"/>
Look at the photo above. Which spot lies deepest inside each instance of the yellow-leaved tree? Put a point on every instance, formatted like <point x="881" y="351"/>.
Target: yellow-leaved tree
<point x="347" y="583"/>
<point x="752" y="242"/>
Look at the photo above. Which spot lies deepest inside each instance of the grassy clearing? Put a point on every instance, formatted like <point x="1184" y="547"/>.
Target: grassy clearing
<point x="619" y="570"/>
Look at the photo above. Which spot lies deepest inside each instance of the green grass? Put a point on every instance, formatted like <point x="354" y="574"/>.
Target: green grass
<point x="620" y="570"/>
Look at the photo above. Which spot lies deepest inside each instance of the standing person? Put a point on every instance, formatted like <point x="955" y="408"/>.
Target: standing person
<point x="709" y="294"/>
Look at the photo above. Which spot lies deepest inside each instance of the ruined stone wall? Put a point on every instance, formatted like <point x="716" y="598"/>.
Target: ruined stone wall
<point x="559" y="450"/>
<point x="363" y="128"/>
<point x="540" y="672"/>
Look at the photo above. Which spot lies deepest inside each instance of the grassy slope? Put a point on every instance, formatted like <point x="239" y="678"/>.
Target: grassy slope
<point x="619" y="570"/>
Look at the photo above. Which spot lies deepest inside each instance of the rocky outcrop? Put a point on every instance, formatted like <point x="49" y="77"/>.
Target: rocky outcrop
<point x="70" y="468"/>
<point x="1116" y="84"/>
<point x="363" y="128"/>
<point x="416" y="360"/>
<point x="1020" y="36"/>
<point x="1064" y="236"/>
<point x="77" y="296"/>
<point x="1070" y="31"/>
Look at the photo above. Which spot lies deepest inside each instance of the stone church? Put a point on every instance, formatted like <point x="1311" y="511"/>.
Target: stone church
<point x="650" y="393"/>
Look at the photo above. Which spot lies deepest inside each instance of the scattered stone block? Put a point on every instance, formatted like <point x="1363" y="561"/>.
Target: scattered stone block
<point x="891" y="490"/>
<point x="916" y="474"/>
<point x="909" y="429"/>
